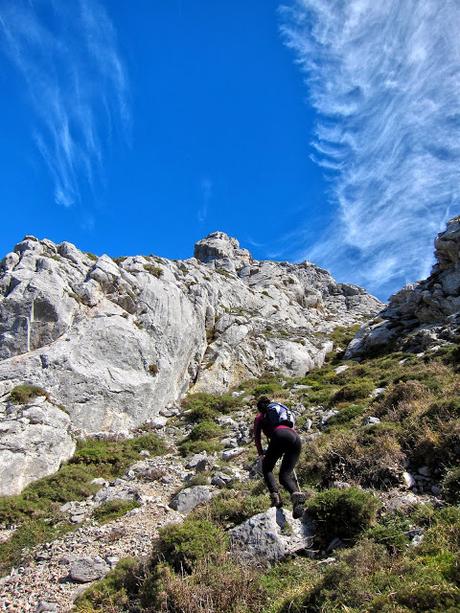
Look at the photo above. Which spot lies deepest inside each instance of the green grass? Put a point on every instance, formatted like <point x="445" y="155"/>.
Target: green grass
<point x="36" y="510"/>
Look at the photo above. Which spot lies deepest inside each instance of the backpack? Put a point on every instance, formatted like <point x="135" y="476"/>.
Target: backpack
<point x="279" y="415"/>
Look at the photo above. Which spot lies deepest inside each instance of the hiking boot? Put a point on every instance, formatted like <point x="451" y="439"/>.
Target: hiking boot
<point x="298" y="503"/>
<point x="276" y="500"/>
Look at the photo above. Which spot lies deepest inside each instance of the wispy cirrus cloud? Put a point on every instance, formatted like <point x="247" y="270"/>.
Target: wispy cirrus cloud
<point x="75" y="81"/>
<point x="206" y="188"/>
<point x="384" y="79"/>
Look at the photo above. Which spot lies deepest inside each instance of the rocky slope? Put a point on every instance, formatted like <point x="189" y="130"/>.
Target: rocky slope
<point x="424" y="314"/>
<point x="114" y="342"/>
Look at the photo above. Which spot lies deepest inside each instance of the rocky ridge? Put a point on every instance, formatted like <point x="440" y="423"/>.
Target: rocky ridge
<point x="421" y="315"/>
<point x="116" y="341"/>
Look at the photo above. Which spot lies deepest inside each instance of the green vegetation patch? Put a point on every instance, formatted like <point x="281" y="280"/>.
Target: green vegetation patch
<point x="369" y="456"/>
<point x="232" y="507"/>
<point x="208" y="406"/>
<point x="183" y="545"/>
<point x="156" y="271"/>
<point x="451" y="485"/>
<point x="113" y="509"/>
<point x="22" y="394"/>
<point x="112" y="593"/>
<point x="342" y="513"/>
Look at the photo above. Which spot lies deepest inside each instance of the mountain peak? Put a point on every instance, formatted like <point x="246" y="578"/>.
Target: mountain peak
<point x="223" y="248"/>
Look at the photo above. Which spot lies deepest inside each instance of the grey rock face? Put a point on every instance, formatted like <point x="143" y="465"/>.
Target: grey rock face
<point x="84" y="570"/>
<point x="271" y="536"/>
<point x="118" y="342"/>
<point x="189" y="498"/>
<point x="34" y="441"/>
<point x="424" y="314"/>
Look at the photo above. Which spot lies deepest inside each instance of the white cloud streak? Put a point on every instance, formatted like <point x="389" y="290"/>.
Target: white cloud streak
<point x="76" y="83"/>
<point x="384" y="79"/>
<point x="206" y="187"/>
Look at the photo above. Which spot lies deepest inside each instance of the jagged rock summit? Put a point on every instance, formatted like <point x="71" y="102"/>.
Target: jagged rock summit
<point x="421" y="315"/>
<point x="114" y="341"/>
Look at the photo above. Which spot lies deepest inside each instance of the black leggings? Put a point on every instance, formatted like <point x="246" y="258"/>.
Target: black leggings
<point x="284" y="442"/>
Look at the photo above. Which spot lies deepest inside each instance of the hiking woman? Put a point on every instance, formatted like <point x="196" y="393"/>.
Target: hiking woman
<point x="276" y="422"/>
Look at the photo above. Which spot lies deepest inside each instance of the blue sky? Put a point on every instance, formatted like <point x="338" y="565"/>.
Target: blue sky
<point x="325" y="130"/>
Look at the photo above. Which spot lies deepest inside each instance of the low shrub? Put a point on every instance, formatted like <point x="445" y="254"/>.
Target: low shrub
<point x="220" y="585"/>
<point x="451" y="485"/>
<point x="233" y="507"/>
<point x="370" y="456"/>
<point x="112" y="593"/>
<point x="153" y="369"/>
<point x="402" y="400"/>
<point x="354" y="390"/>
<point x="188" y="447"/>
<point x="444" y="410"/>
<point x="22" y="394"/>
<point x="183" y="545"/>
<point x="113" y="509"/>
<point x="347" y="414"/>
<point x="206" y="430"/>
<point x="203" y="437"/>
<point x="437" y="446"/>
<point x="156" y="271"/>
<point x="391" y="531"/>
<point x="207" y="406"/>
<point x="342" y="513"/>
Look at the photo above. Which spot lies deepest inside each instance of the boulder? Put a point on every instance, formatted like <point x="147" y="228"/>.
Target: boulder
<point x="34" y="441"/>
<point x="270" y="536"/>
<point x="190" y="497"/>
<point x="87" y="569"/>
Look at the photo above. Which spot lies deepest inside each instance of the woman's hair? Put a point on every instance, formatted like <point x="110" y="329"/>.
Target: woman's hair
<point x="263" y="403"/>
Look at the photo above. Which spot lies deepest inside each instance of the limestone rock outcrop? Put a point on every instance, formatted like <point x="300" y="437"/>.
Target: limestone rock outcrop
<point x="117" y="340"/>
<point x="35" y="439"/>
<point x="423" y="314"/>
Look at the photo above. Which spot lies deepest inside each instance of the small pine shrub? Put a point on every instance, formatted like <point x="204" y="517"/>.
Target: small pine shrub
<point x="205" y="430"/>
<point x="183" y="545"/>
<point x="342" y="513"/>
<point x="203" y="437"/>
<point x="22" y="394"/>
